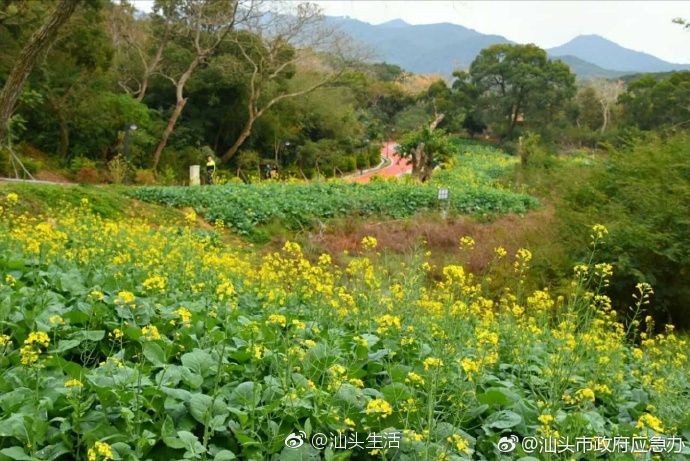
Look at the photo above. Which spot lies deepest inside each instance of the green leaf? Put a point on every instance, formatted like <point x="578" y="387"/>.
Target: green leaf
<point x="53" y="452"/>
<point x="498" y="396"/>
<point x="191" y="443"/>
<point x="396" y="392"/>
<point x="224" y="455"/>
<point x="247" y="394"/>
<point x="199" y="362"/>
<point x="71" y="282"/>
<point x="17" y="453"/>
<point x="15" y="264"/>
<point x="65" y="345"/>
<point x="245" y="440"/>
<point x="242" y="417"/>
<point x="304" y="453"/>
<point x="503" y="420"/>
<point x="154" y="353"/>
<point x="173" y="442"/>
<point x="596" y="421"/>
<point x="89" y="335"/>
<point x="198" y="406"/>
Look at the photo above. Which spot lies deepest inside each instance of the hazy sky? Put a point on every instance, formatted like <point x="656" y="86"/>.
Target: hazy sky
<point x="641" y="25"/>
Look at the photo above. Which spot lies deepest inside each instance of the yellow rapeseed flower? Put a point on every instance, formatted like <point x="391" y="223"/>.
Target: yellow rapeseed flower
<point x="150" y="332"/>
<point x="432" y="362"/>
<point x="125" y="297"/>
<point x="12" y="198"/>
<point x="369" y="243"/>
<point x="100" y="451"/>
<point x="74" y="383"/>
<point x="648" y="420"/>
<point x="380" y="407"/>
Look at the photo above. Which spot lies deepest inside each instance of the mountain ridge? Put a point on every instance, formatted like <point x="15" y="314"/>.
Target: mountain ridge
<point x="444" y="47"/>
<point x="603" y="52"/>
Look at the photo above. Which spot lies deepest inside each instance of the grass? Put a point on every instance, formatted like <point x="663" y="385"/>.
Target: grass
<point x="108" y="201"/>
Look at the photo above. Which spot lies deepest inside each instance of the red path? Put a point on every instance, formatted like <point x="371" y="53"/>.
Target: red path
<point x="398" y="167"/>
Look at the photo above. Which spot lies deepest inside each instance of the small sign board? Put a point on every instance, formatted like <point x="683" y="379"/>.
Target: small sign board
<point x="443" y="193"/>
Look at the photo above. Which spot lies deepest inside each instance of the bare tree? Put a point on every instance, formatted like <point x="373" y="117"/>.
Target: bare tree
<point x="281" y="42"/>
<point x="136" y="39"/>
<point x="608" y="92"/>
<point x="37" y="44"/>
<point x="205" y="24"/>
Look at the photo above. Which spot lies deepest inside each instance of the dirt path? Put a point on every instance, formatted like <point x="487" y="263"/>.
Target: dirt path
<point x="398" y="166"/>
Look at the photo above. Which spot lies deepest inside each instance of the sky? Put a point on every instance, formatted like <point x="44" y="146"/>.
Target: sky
<point x="639" y="25"/>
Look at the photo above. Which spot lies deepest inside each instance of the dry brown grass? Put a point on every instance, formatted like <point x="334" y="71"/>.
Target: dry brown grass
<point x="442" y="237"/>
<point x="51" y="176"/>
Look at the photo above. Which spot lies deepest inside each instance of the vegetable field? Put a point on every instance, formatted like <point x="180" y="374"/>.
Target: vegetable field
<point x="471" y="180"/>
<point x="123" y="342"/>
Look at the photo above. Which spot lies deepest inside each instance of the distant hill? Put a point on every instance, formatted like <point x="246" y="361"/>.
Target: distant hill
<point x="445" y="47"/>
<point x="584" y="69"/>
<point x="605" y="53"/>
<point x="422" y="49"/>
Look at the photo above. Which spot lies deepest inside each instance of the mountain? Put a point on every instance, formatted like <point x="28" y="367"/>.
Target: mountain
<point x="584" y="69"/>
<point x="422" y="49"/>
<point x="394" y="23"/>
<point x="445" y="47"/>
<point x="607" y="54"/>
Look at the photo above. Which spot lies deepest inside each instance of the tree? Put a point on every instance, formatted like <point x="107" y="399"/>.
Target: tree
<point x="466" y="95"/>
<point x="518" y="83"/>
<point x="608" y="92"/>
<point x="650" y="104"/>
<point x="586" y="111"/>
<point x="38" y="43"/>
<point x="141" y="44"/>
<point x="641" y="194"/>
<point x="274" y="48"/>
<point x="85" y="53"/>
<point x="426" y="149"/>
<point x="205" y="26"/>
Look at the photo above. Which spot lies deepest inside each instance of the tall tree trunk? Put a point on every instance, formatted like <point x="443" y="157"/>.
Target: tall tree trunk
<point x="62" y="126"/>
<point x="181" y="101"/>
<point x="168" y="130"/>
<point x="513" y="120"/>
<point x="38" y="43"/>
<point x="64" y="136"/>
<point x="246" y="132"/>
<point x="605" y="111"/>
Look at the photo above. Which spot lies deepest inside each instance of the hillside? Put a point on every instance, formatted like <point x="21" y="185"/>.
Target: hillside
<point x="605" y="53"/>
<point x="422" y="49"/>
<point x="585" y="69"/>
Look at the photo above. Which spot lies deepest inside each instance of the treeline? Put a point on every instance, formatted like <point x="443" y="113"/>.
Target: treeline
<point x="255" y="82"/>
<point x="252" y="82"/>
<point x="512" y="90"/>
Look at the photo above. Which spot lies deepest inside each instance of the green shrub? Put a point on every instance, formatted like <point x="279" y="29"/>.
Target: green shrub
<point x="117" y="169"/>
<point x="145" y="177"/>
<point x="167" y="177"/>
<point x="79" y="163"/>
<point x="641" y="194"/>
<point x="362" y="161"/>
